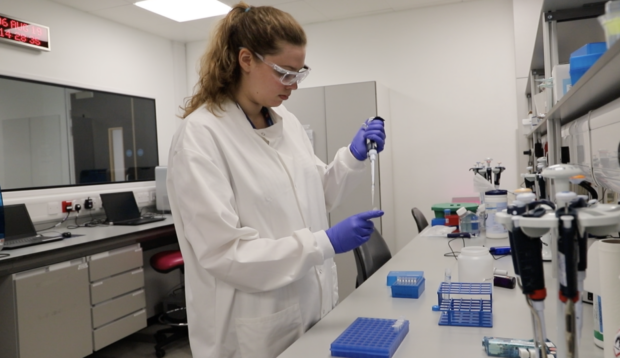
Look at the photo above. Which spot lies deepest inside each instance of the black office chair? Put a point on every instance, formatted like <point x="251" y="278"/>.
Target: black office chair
<point x="370" y="256"/>
<point x="419" y="218"/>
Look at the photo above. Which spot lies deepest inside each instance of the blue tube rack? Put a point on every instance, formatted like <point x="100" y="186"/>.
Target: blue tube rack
<point x="467" y="312"/>
<point x="370" y="338"/>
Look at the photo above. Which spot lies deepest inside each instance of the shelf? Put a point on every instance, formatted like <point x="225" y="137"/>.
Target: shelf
<point x="599" y="86"/>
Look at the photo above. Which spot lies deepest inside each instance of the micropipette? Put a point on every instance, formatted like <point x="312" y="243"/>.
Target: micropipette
<point x="371" y="147"/>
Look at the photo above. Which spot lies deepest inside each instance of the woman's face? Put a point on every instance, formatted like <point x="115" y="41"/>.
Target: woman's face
<point x="263" y="84"/>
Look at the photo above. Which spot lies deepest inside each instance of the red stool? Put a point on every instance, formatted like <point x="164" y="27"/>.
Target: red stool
<point x="176" y="318"/>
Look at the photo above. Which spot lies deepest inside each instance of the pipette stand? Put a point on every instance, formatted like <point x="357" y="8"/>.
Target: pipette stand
<point x="599" y="220"/>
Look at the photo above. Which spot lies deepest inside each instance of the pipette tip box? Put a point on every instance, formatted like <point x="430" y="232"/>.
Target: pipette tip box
<point x="370" y="338"/>
<point x="408" y="287"/>
<point x="458" y="310"/>
<point x="394" y="275"/>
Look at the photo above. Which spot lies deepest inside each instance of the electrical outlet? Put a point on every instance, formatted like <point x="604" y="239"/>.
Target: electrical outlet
<point x="66" y="204"/>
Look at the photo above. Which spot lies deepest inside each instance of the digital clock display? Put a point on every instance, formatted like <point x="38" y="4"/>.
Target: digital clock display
<point x="24" y="33"/>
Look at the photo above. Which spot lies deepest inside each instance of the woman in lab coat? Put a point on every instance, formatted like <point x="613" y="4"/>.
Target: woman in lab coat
<point x="250" y="199"/>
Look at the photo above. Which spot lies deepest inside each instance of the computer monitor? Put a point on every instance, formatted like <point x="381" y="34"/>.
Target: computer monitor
<point x="120" y="206"/>
<point x="18" y="222"/>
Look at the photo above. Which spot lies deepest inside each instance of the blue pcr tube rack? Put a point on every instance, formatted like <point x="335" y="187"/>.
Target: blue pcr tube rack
<point x="469" y="312"/>
<point x="370" y="338"/>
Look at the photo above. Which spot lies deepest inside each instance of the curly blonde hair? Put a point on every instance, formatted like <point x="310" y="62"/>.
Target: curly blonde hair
<point x="261" y="30"/>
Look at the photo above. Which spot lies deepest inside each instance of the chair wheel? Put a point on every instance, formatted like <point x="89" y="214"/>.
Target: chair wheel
<point x="160" y="337"/>
<point x="159" y="353"/>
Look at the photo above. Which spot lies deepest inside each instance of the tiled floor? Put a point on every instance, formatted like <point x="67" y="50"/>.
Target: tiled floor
<point x="140" y="345"/>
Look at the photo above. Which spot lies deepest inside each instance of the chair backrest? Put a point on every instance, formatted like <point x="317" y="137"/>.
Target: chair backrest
<point x="370" y="256"/>
<point x="419" y="218"/>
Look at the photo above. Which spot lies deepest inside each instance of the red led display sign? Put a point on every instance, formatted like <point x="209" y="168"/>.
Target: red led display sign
<point x="24" y="33"/>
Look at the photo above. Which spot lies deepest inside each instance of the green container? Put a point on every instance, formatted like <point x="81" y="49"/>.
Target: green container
<point x="439" y="208"/>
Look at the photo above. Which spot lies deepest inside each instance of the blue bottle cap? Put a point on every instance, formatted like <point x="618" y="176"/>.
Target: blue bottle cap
<point x="496" y="192"/>
<point x="435" y="308"/>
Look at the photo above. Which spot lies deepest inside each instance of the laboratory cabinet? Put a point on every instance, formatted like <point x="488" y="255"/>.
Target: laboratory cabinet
<point x="73" y="308"/>
<point x="332" y="116"/>
<point x="46" y="312"/>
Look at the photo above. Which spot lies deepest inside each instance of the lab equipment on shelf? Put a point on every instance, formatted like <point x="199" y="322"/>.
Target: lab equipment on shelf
<point x="370" y="338"/>
<point x="582" y="59"/>
<point x="469" y="305"/>
<point x="440" y="209"/>
<point x="610" y="22"/>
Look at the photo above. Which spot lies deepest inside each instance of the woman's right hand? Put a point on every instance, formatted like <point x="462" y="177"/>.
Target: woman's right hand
<point x="352" y="231"/>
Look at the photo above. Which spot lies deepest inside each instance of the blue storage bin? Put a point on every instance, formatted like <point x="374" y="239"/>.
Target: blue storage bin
<point x="582" y="59"/>
<point x="370" y="338"/>
<point x="394" y="275"/>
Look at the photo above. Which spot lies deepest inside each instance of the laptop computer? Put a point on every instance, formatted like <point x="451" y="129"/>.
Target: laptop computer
<point x="19" y="229"/>
<point x="121" y="209"/>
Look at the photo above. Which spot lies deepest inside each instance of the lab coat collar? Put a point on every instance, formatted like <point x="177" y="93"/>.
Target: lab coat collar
<point x="271" y="135"/>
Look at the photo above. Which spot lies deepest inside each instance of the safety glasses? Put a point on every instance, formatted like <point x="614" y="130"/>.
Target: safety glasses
<point x="287" y="77"/>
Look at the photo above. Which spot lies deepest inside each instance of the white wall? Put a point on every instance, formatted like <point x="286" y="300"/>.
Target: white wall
<point x="451" y="71"/>
<point x="91" y="52"/>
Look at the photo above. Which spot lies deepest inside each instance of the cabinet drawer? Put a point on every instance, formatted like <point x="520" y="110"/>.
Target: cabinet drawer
<point x="116" y="286"/>
<point x="116" y="330"/>
<point x="109" y="311"/>
<point x="113" y="262"/>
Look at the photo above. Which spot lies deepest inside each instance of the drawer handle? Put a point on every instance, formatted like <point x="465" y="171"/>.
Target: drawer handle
<point x="136" y="271"/>
<point x="98" y="284"/>
<point x="138" y="293"/>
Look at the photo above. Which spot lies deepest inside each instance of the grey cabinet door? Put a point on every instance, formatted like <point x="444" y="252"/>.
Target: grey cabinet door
<point x="347" y="107"/>
<point x="53" y="310"/>
<point x="335" y="113"/>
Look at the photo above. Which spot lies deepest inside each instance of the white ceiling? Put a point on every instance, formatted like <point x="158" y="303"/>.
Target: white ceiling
<point x="305" y="11"/>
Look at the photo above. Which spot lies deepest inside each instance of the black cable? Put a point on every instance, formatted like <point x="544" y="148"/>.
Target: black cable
<point x="454" y="253"/>
<point x="499" y="257"/>
<point x="57" y="224"/>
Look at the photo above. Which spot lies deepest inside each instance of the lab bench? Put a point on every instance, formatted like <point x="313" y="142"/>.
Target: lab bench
<point x="72" y="297"/>
<point x="426" y="338"/>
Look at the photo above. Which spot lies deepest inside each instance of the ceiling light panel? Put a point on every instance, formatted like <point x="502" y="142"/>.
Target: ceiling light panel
<point x="185" y="10"/>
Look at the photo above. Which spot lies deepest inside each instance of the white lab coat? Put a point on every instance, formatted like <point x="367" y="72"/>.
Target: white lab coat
<point x="250" y="209"/>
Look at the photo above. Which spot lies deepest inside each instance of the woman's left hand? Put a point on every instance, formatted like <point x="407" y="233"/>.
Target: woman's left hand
<point x="375" y="131"/>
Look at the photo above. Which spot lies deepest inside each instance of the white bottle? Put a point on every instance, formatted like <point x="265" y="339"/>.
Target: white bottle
<point x="475" y="264"/>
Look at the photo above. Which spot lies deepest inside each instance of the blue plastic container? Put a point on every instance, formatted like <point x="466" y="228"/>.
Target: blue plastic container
<point x="582" y="59"/>
<point x="370" y="338"/>
<point x="408" y="287"/>
<point x="394" y="275"/>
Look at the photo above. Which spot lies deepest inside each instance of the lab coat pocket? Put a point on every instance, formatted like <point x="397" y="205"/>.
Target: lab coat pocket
<point x="268" y="336"/>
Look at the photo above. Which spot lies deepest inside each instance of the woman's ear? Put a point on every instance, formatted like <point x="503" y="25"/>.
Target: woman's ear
<point x="245" y="59"/>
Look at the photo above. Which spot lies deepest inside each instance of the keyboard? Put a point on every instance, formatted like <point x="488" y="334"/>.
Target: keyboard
<point x="28" y="241"/>
<point x="138" y="221"/>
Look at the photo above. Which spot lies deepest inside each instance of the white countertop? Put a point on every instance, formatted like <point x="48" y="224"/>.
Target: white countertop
<point x="511" y="316"/>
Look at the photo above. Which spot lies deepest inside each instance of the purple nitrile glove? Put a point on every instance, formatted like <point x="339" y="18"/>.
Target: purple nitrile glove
<point x="375" y="131"/>
<point x="352" y="231"/>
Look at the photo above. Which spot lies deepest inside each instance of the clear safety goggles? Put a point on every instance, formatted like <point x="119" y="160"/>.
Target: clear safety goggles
<point x="287" y="77"/>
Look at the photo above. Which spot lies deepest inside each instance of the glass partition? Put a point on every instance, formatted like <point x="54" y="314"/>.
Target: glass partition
<point x="54" y="136"/>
